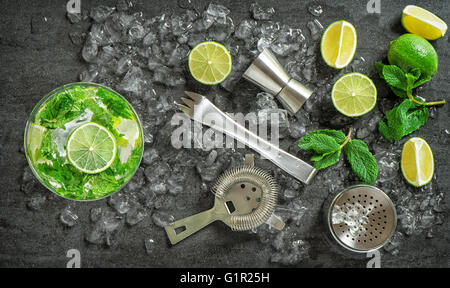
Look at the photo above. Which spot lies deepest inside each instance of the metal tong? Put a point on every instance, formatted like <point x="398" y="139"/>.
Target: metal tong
<point x="198" y="107"/>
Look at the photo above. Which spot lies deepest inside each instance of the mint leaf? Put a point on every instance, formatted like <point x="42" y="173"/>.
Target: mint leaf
<point x="59" y="110"/>
<point x="402" y="120"/>
<point x="399" y="92"/>
<point x="363" y="164"/>
<point x="318" y="143"/>
<point x="335" y="134"/>
<point x="379" y="66"/>
<point x="421" y="81"/>
<point x="395" y="76"/>
<point x="116" y="106"/>
<point x="326" y="160"/>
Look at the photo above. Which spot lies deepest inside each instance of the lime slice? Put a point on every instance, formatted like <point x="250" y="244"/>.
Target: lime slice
<point x="354" y="94"/>
<point x="91" y="148"/>
<point x="417" y="162"/>
<point x="338" y="44"/>
<point x="35" y="137"/>
<point x="210" y="63"/>
<point x="422" y="22"/>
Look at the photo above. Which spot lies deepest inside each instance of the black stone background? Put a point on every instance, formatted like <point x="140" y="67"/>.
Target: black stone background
<point x="34" y="62"/>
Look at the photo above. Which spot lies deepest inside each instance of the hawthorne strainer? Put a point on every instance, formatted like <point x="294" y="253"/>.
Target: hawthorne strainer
<point x="362" y="218"/>
<point x="245" y="198"/>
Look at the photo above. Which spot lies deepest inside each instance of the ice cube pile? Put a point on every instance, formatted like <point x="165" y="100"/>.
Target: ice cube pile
<point x="146" y="60"/>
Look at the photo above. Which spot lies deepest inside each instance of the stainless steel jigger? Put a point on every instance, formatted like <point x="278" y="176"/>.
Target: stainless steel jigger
<point x="267" y="73"/>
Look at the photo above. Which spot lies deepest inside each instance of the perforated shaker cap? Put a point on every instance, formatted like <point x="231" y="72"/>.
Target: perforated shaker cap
<point x="362" y="218"/>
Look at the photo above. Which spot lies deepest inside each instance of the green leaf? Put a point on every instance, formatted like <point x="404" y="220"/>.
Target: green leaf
<point x="421" y="81"/>
<point x="363" y="164"/>
<point x="46" y="146"/>
<point x="59" y="110"/>
<point x="326" y="160"/>
<point x="402" y="120"/>
<point x="399" y="92"/>
<point x="379" y="66"/>
<point x="318" y="143"/>
<point x="395" y="76"/>
<point x="117" y="107"/>
<point x="335" y="134"/>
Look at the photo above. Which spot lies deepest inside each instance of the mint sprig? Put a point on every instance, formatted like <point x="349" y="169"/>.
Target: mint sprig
<point x="326" y="146"/>
<point x="409" y="115"/>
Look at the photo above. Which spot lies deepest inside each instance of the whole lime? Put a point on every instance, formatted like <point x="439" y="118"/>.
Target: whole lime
<point x="411" y="51"/>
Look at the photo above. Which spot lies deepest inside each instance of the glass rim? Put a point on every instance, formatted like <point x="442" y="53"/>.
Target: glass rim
<point x="38" y="106"/>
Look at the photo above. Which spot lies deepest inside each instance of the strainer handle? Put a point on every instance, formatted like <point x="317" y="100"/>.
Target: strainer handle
<point x="190" y="225"/>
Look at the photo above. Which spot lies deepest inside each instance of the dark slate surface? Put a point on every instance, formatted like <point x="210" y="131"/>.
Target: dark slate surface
<point x="37" y="59"/>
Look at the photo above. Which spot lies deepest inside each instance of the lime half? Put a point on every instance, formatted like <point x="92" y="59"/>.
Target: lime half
<point x="338" y="44"/>
<point x="417" y="162"/>
<point x="91" y="148"/>
<point x="421" y="22"/>
<point x="354" y="94"/>
<point x="210" y="63"/>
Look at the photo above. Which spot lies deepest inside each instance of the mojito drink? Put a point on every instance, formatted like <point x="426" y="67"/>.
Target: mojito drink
<point x="83" y="141"/>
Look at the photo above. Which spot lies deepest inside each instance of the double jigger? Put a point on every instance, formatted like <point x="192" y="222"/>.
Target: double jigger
<point x="267" y="73"/>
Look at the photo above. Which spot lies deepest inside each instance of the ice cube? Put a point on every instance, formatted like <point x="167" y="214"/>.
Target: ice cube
<point x="265" y="100"/>
<point x="96" y="214"/>
<point x="157" y="172"/>
<point x="221" y="31"/>
<point x="315" y="28"/>
<point x="150" y="244"/>
<point x="123" y="5"/>
<point x="162" y="219"/>
<point x="394" y="243"/>
<point x="74" y="17"/>
<point x="175" y="184"/>
<point x="90" y="49"/>
<point x="120" y="202"/>
<point x="100" y="13"/>
<point x="158" y="188"/>
<point x="315" y="10"/>
<point x="135" y="33"/>
<point x="178" y="55"/>
<point x="89" y="74"/>
<point x="77" y="37"/>
<point x="150" y="156"/>
<point x="135" y="215"/>
<point x="68" y="217"/>
<point x="215" y="13"/>
<point x="133" y="81"/>
<point x="245" y="29"/>
<point x="36" y="202"/>
<point x="259" y="13"/>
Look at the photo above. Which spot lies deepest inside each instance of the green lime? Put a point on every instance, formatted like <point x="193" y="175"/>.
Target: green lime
<point x="411" y="51"/>
<point x="91" y="148"/>
<point x="354" y="94"/>
<point x="210" y="63"/>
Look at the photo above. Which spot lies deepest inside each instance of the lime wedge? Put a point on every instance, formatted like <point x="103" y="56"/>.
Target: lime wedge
<point x="417" y="162"/>
<point x="422" y="22"/>
<point x="35" y="137"/>
<point x="338" y="44"/>
<point x="354" y="94"/>
<point x="91" y="148"/>
<point x="210" y="63"/>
